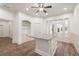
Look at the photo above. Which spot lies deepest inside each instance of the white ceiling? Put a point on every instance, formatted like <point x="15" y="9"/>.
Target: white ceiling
<point x="57" y="9"/>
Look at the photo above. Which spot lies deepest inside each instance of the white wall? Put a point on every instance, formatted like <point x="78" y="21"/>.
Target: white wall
<point x="75" y="24"/>
<point x="75" y="27"/>
<point x="6" y="14"/>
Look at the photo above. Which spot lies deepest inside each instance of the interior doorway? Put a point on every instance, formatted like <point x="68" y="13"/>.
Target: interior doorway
<point x="26" y="30"/>
<point x="5" y="33"/>
<point x="60" y="28"/>
<point x="26" y="27"/>
<point x="5" y="28"/>
<point x="1" y="30"/>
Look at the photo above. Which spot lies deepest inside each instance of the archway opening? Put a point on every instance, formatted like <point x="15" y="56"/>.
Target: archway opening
<point x="26" y="30"/>
<point x="26" y="26"/>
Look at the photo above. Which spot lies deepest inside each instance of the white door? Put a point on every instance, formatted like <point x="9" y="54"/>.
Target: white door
<point x="1" y="31"/>
<point x="58" y="30"/>
<point x="4" y="29"/>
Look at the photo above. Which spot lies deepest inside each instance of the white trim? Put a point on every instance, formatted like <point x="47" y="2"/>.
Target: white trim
<point x="43" y="53"/>
<point x="54" y="51"/>
<point x="76" y="47"/>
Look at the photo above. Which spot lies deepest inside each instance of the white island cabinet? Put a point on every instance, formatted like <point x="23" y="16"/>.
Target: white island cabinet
<point x="45" y="45"/>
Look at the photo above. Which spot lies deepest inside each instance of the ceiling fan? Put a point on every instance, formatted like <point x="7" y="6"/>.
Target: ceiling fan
<point x="41" y="7"/>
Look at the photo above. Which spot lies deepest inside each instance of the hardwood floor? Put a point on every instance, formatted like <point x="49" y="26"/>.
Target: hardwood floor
<point x="27" y="49"/>
<point x="18" y="50"/>
<point x="65" y="49"/>
<point x="4" y="41"/>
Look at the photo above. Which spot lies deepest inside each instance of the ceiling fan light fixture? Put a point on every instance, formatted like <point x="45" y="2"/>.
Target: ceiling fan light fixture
<point x="36" y="14"/>
<point x="40" y="9"/>
<point x="46" y="13"/>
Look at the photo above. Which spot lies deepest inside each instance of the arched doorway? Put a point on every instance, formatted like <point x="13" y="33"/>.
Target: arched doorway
<point x="26" y="30"/>
<point x="26" y="26"/>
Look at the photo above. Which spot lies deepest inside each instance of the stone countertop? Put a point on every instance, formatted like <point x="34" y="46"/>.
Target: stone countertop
<point x="40" y="36"/>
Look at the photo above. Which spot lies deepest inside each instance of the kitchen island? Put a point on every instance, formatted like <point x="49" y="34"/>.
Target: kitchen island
<point x="45" y="44"/>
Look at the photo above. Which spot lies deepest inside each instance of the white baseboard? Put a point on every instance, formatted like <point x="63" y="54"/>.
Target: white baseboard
<point x="41" y="52"/>
<point x="54" y="51"/>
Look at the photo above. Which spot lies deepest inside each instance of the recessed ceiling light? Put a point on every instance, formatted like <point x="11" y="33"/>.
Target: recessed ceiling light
<point x="27" y="9"/>
<point x="65" y="8"/>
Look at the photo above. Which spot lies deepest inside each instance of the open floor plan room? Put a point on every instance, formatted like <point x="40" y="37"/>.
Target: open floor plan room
<point x="39" y="29"/>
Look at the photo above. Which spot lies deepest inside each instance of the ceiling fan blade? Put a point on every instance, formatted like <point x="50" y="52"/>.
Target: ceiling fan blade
<point x="34" y="7"/>
<point x="37" y="11"/>
<point x="48" y="7"/>
<point x="44" y="11"/>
